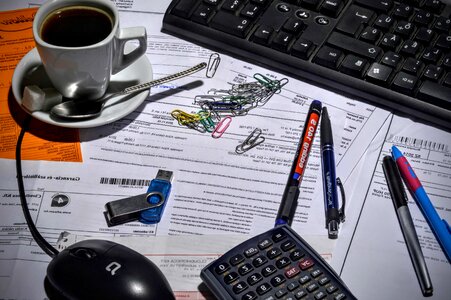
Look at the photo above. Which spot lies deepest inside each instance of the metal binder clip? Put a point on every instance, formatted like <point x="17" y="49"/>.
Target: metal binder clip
<point x="147" y="208"/>
<point x="254" y="139"/>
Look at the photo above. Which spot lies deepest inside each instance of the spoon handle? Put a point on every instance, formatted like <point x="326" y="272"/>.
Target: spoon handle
<point x="144" y="86"/>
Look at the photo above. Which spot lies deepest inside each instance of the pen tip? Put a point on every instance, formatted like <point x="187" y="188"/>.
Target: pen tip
<point x="396" y="153"/>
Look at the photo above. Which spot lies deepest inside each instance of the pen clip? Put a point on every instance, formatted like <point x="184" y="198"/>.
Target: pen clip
<point x="341" y="211"/>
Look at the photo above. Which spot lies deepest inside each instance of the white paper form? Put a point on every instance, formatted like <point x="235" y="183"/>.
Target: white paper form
<point x="378" y="250"/>
<point x="70" y="196"/>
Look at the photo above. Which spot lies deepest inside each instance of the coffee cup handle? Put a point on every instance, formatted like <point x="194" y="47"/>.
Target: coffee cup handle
<point x="121" y="60"/>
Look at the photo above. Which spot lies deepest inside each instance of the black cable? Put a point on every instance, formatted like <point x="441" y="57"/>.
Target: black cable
<point x="45" y="246"/>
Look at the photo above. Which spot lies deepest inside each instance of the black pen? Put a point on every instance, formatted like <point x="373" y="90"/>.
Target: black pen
<point x="334" y="215"/>
<point x="290" y="196"/>
<point x="399" y="197"/>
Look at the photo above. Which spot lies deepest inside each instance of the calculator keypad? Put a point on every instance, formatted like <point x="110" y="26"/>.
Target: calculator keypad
<point x="275" y="265"/>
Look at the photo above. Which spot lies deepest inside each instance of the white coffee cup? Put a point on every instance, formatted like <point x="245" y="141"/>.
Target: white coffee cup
<point x="79" y="49"/>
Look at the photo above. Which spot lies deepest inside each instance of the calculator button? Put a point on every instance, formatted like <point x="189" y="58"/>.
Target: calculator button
<point x="282" y="262"/>
<point x="250" y="251"/>
<point x="254" y="278"/>
<point x="244" y="269"/>
<point x="264" y="288"/>
<point x="340" y="296"/>
<point x="264" y="244"/>
<point x="300" y="294"/>
<point x="277" y="280"/>
<point x="236" y="259"/>
<point x="312" y="287"/>
<point x="287" y="245"/>
<point x="291" y="272"/>
<point x="315" y="273"/>
<point x="292" y="286"/>
<point x="320" y="295"/>
<point x="331" y="288"/>
<point x="323" y="280"/>
<point x="239" y="287"/>
<point x="273" y="253"/>
<point x="231" y="277"/>
<point x="304" y="279"/>
<point x="268" y="270"/>
<point x="259" y="261"/>
<point x="249" y="296"/>
<point x="221" y="268"/>
<point x="280" y="293"/>
<point x="278" y="236"/>
<point x="306" y="263"/>
<point x="296" y="255"/>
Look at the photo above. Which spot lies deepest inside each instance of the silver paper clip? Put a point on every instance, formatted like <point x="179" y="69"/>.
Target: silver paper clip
<point x="254" y="139"/>
<point x="213" y="64"/>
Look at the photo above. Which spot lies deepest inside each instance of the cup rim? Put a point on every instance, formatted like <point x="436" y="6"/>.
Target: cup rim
<point x="53" y="5"/>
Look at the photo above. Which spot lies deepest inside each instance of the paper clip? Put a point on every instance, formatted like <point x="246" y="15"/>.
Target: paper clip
<point x="221" y="127"/>
<point x="183" y="118"/>
<point x="213" y="64"/>
<point x="206" y="120"/>
<point x="254" y="139"/>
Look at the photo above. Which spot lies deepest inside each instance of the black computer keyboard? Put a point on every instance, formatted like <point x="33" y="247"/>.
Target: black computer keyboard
<point x="395" y="54"/>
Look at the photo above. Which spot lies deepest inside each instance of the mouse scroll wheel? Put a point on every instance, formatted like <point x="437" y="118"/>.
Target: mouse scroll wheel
<point x="83" y="253"/>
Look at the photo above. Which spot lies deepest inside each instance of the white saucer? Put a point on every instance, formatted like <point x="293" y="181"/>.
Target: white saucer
<point x="29" y="71"/>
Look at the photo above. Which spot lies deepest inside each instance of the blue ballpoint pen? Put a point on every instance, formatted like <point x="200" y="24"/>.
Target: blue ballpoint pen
<point x="439" y="227"/>
<point x="334" y="215"/>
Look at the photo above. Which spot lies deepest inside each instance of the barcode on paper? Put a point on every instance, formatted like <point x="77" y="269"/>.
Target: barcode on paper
<point x="420" y="143"/>
<point x="124" y="181"/>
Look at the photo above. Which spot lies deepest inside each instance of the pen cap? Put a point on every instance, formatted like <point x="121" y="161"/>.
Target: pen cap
<point x="326" y="128"/>
<point x="394" y="182"/>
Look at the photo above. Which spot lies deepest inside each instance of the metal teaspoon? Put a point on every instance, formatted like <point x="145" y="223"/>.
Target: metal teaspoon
<point x="76" y="109"/>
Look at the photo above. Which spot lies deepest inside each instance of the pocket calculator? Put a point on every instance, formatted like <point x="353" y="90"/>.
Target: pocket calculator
<point x="277" y="264"/>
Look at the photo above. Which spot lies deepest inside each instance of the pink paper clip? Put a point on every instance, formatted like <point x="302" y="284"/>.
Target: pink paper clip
<point x="221" y="127"/>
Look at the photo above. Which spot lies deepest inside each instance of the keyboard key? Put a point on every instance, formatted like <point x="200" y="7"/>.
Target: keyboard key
<point x="447" y="80"/>
<point x="390" y="41"/>
<point x="370" y="35"/>
<point x="431" y="55"/>
<point x="410" y="48"/>
<point x="354" y="19"/>
<point x="331" y="8"/>
<point x="354" y="46"/>
<point x="202" y="14"/>
<point x="262" y="34"/>
<point x="293" y="25"/>
<point x="250" y="11"/>
<point x="291" y="272"/>
<point x="251" y="251"/>
<point x="444" y="41"/>
<point x="296" y="255"/>
<point x="404" y="83"/>
<point x="281" y="41"/>
<point x="432" y="72"/>
<point x="229" y="23"/>
<point x="287" y="245"/>
<point x="273" y="253"/>
<point x="384" y="22"/>
<point x="382" y="6"/>
<point x="259" y="261"/>
<point x="403" y="11"/>
<point x="404" y="29"/>
<point x="306" y="263"/>
<point x="424" y="35"/>
<point x="328" y="57"/>
<point x="435" y="93"/>
<point x="379" y="74"/>
<point x="413" y="66"/>
<point x="277" y="280"/>
<point x="442" y="24"/>
<point x="282" y="262"/>
<point x="302" y="48"/>
<point x="354" y="66"/>
<point x="232" y="5"/>
<point x="184" y="8"/>
<point x="264" y="244"/>
<point x="391" y="59"/>
<point x="236" y="259"/>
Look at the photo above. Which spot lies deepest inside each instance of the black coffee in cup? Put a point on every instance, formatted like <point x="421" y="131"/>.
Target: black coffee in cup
<point x="76" y="26"/>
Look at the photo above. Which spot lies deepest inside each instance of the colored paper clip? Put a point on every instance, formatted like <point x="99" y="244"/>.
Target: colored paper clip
<point x="213" y="64"/>
<point x="254" y="139"/>
<point x="221" y="127"/>
<point x="184" y="118"/>
<point x="206" y="120"/>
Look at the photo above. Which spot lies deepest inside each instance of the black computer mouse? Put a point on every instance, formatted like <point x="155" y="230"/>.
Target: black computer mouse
<point x="100" y="269"/>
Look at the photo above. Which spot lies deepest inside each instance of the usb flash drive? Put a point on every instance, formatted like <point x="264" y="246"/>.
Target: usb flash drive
<point x="159" y="188"/>
<point x="147" y="208"/>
